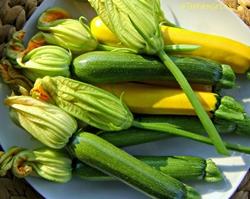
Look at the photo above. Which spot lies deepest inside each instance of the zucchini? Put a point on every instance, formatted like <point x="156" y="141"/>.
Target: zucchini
<point x="110" y="67"/>
<point x="179" y="167"/>
<point x="134" y="136"/>
<point x="97" y="108"/>
<point x="159" y="100"/>
<point x="102" y="155"/>
<point x="211" y="46"/>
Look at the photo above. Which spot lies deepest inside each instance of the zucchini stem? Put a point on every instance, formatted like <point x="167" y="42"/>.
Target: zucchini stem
<point x="179" y="132"/>
<point x="180" y="48"/>
<point x="201" y="113"/>
<point x="175" y="48"/>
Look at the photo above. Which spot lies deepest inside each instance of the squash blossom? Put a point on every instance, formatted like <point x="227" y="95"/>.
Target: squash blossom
<point x="85" y="102"/>
<point x="134" y="23"/>
<point x="45" y="60"/>
<point x="137" y="26"/>
<point x="14" y="47"/>
<point x="46" y="163"/>
<point x="159" y="12"/>
<point x="47" y="123"/>
<point x="49" y="164"/>
<point x="71" y="34"/>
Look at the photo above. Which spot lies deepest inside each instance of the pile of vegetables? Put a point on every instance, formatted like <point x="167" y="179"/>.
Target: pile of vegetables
<point x="86" y="91"/>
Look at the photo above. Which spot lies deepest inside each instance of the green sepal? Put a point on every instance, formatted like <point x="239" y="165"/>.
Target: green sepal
<point x="228" y="77"/>
<point x="212" y="174"/>
<point x="230" y="109"/>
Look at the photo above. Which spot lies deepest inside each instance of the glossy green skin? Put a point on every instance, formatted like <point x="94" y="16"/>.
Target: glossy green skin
<point x="111" y="160"/>
<point x="133" y="135"/>
<point x="111" y="67"/>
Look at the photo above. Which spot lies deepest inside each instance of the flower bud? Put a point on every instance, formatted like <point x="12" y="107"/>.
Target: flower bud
<point x="87" y="103"/>
<point x="47" y="163"/>
<point x="45" y="122"/>
<point x="14" y="47"/>
<point x="52" y="165"/>
<point x="71" y="34"/>
<point x="45" y="60"/>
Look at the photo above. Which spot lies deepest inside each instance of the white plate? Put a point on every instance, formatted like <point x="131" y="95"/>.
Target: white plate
<point x="202" y="15"/>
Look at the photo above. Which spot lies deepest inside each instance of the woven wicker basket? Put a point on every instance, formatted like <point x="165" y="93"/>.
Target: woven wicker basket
<point x="13" y="15"/>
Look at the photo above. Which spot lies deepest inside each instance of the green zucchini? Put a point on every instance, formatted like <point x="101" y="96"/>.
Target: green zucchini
<point x="110" y="67"/>
<point x="179" y="167"/>
<point x="102" y="155"/>
<point x="134" y="136"/>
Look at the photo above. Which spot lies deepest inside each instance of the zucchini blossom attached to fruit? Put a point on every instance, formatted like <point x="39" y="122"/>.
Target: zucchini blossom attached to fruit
<point x="45" y="122"/>
<point x="135" y="23"/>
<point x="68" y="33"/>
<point x="45" y="60"/>
<point x="47" y="163"/>
<point x="87" y="103"/>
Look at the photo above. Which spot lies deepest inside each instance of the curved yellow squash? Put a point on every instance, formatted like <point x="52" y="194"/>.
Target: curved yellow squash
<point x="221" y="49"/>
<point x="218" y="48"/>
<point x="148" y="99"/>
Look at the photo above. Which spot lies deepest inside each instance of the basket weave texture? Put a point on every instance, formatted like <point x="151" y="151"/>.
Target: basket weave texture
<point x="13" y="15"/>
<point x="240" y="7"/>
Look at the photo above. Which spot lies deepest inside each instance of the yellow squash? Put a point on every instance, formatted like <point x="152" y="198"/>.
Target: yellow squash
<point x="221" y="49"/>
<point x="196" y="87"/>
<point x="102" y="32"/>
<point x="149" y="99"/>
<point x="218" y="48"/>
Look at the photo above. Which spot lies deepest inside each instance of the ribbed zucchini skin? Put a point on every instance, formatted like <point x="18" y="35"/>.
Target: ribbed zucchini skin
<point x="111" y="67"/>
<point x="179" y="167"/>
<point x="182" y="168"/>
<point x="104" y="156"/>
